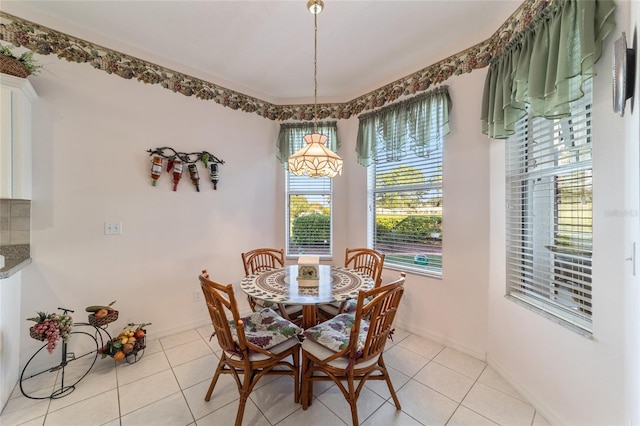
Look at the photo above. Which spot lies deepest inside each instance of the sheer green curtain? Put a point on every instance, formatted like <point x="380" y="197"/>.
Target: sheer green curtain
<point x="290" y="139"/>
<point x="546" y="65"/>
<point x="414" y="124"/>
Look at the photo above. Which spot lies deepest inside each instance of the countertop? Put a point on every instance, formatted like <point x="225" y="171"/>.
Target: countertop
<point x="16" y="257"/>
<point x="11" y="266"/>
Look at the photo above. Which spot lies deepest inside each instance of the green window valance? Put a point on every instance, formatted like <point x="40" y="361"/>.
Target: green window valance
<point x="546" y="65"/>
<point x="414" y="124"/>
<point x="290" y="139"/>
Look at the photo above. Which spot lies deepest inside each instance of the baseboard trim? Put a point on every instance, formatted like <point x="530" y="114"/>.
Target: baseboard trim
<point x="538" y="404"/>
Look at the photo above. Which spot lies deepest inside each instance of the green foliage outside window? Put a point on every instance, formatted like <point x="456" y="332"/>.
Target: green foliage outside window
<point x="311" y="230"/>
<point x="413" y="229"/>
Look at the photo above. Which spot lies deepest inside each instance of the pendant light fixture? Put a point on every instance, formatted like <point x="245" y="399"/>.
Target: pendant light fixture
<point x="315" y="159"/>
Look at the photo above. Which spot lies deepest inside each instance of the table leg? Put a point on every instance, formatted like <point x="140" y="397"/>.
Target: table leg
<point x="309" y="316"/>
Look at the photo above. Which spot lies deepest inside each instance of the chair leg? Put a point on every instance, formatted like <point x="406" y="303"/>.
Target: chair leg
<point x="387" y="379"/>
<point x="241" y="406"/>
<point x="296" y="376"/>
<point x="244" y="395"/>
<point x="310" y="382"/>
<point x="214" y="380"/>
<point x="352" y="399"/>
<point x="305" y="383"/>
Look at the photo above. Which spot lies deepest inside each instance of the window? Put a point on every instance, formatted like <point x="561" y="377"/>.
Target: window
<point x="309" y="223"/>
<point x="406" y="207"/>
<point x="549" y="214"/>
<point x="402" y="146"/>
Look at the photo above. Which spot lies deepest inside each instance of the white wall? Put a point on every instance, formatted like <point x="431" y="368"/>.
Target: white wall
<point x="90" y="137"/>
<point x="569" y="378"/>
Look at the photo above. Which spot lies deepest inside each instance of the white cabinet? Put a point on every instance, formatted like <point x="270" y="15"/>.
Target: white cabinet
<point x="10" y="334"/>
<point x="16" y="96"/>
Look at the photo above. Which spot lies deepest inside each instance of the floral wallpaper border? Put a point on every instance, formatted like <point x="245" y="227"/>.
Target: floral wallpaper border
<point x="45" y="41"/>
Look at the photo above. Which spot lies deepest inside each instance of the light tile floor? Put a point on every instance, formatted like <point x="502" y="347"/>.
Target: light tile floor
<point x="436" y="385"/>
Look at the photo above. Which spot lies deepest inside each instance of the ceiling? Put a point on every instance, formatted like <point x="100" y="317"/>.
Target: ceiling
<point x="265" y="48"/>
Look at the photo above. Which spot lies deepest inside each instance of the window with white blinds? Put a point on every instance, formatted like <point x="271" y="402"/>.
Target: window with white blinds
<point x="308" y="215"/>
<point x="549" y="197"/>
<point x="308" y="201"/>
<point x="406" y="210"/>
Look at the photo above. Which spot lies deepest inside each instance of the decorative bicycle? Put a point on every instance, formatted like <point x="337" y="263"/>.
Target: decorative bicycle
<point x="56" y="374"/>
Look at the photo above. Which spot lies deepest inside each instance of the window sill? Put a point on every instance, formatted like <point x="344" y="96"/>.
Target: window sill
<point x="413" y="271"/>
<point x="551" y="316"/>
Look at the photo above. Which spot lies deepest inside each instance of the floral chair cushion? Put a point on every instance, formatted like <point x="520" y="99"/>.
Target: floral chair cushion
<point x="351" y="305"/>
<point x="334" y="333"/>
<point x="264" y="303"/>
<point x="266" y="328"/>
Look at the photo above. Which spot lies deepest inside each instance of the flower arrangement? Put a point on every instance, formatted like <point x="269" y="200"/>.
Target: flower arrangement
<point x="51" y="327"/>
<point x="24" y="61"/>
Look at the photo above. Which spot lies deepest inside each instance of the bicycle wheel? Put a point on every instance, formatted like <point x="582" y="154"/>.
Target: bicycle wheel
<point x="55" y="375"/>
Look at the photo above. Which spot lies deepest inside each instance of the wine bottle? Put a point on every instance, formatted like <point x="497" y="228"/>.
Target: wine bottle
<point x="177" y="173"/>
<point x="156" y="169"/>
<point x="195" y="177"/>
<point x="214" y="174"/>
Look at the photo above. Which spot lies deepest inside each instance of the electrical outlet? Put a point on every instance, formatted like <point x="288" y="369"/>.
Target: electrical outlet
<point x="197" y="296"/>
<point x="112" y="228"/>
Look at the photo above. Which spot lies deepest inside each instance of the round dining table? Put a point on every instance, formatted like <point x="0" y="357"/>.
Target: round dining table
<point x="282" y="285"/>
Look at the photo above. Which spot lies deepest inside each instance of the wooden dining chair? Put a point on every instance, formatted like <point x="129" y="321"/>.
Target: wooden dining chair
<point x="365" y="260"/>
<point x="265" y="259"/>
<point x="251" y="346"/>
<point x="349" y="348"/>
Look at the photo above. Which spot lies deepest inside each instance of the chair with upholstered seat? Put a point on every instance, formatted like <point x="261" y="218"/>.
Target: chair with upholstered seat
<point x="365" y="260"/>
<point x="253" y="346"/>
<point x="265" y="259"/>
<point x="349" y="347"/>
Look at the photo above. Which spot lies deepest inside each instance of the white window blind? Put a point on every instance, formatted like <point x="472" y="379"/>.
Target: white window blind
<point x="549" y="197"/>
<point x="405" y="218"/>
<point x="308" y="203"/>
<point x="308" y="215"/>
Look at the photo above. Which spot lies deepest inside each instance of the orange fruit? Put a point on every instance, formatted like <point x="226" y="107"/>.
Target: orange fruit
<point x="127" y="348"/>
<point x="119" y="356"/>
<point x="102" y="313"/>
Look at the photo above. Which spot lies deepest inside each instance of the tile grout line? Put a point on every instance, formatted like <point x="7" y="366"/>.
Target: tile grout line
<point x="118" y="395"/>
<point x="195" y="421"/>
<point x="465" y="395"/>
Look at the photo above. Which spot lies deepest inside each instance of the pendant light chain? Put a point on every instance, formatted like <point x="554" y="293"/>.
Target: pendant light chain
<point x="315" y="73"/>
<point x="315" y="159"/>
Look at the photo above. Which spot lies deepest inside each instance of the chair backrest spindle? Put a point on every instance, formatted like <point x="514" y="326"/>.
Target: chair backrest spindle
<point x="262" y="259"/>
<point x="367" y="261"/>
<point x="380" y="312"/>
<point x="221" y="303"/>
